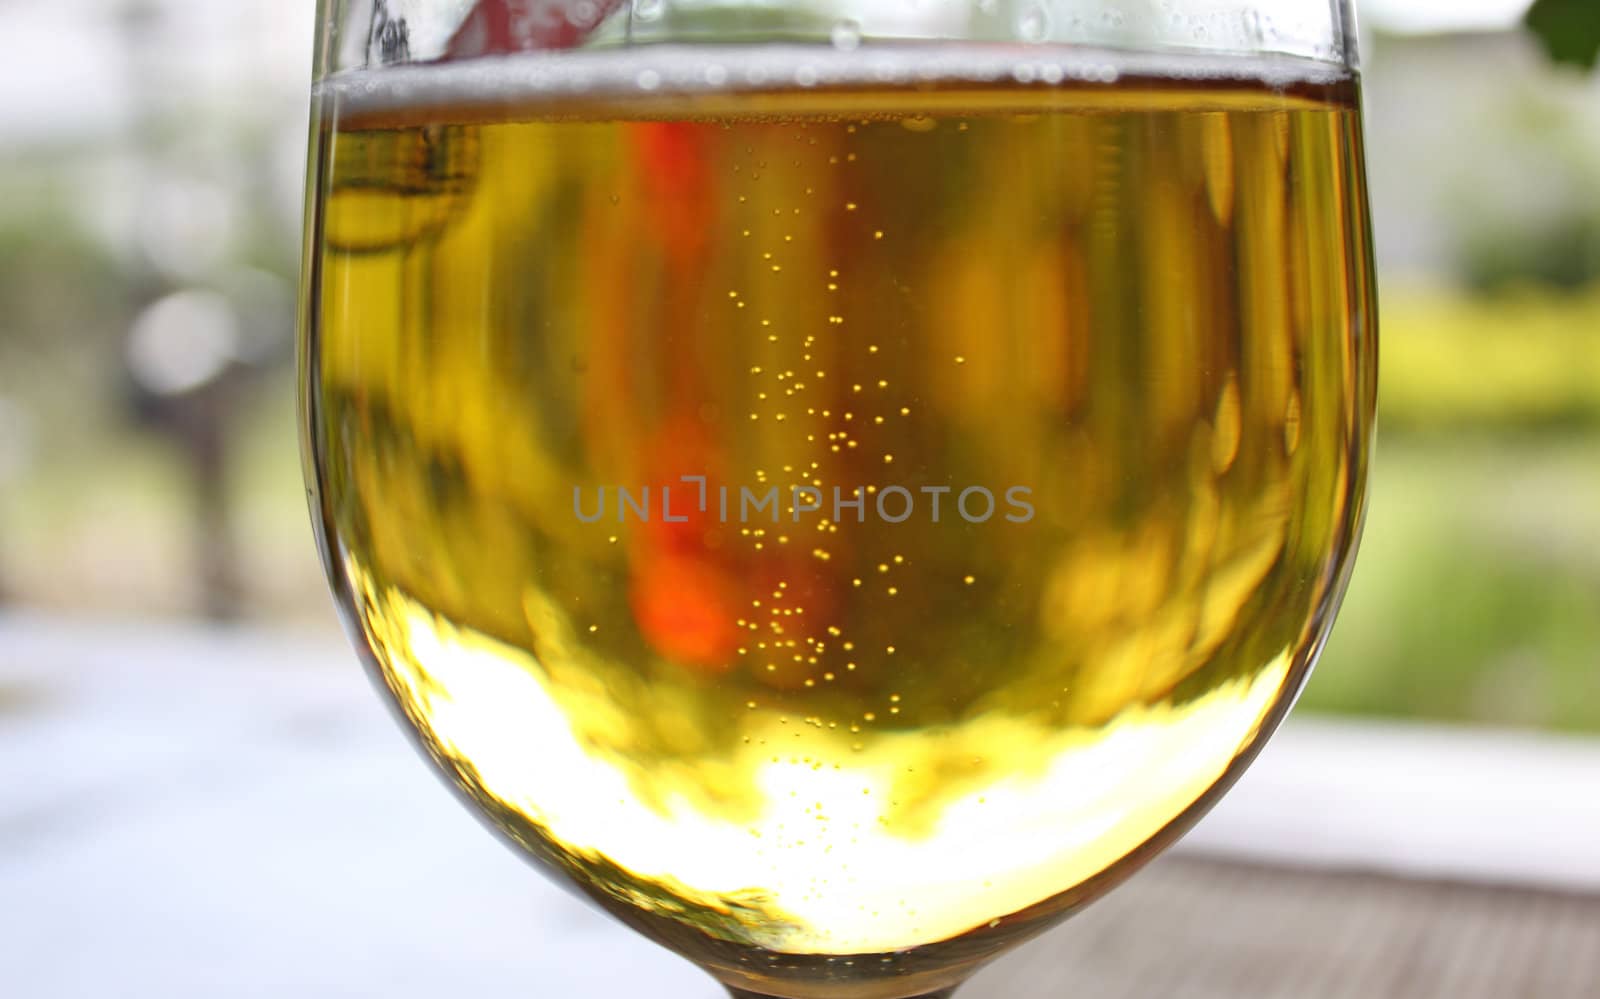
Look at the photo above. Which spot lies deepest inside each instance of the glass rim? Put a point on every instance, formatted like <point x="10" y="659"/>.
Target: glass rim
<point x="389" y="34"/>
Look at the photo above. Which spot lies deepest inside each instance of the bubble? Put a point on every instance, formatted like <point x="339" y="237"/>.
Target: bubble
<point x="648" y="79"/>
<point x="716" y="75"/>
<point x="846" y="35"/>
<point x="1033" y="24"/>
<point x="583" y="14"/>
<point x="806" y="76"/>
<point x="646" y="10"/>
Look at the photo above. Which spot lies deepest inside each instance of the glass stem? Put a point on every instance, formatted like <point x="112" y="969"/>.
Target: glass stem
<point x="742" y="994"/>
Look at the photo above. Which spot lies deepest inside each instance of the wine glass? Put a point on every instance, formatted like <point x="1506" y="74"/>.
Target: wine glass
<point x="842" y="484"/>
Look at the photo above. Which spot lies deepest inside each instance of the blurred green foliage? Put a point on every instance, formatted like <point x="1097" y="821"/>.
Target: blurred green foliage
<point x="55" y="284"/>
<point x="1502" y="366"/>
<point x="1568" y="29"/>
<point x="1564" y="253"/>
<point x="1475" y="595"/>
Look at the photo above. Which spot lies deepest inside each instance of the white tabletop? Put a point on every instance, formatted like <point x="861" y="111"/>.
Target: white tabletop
<point x="197" y="813"/>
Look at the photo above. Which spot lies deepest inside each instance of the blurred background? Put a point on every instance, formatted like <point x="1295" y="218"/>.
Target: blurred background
<point x="150" y="203"/>
<point x="151" y="164"/>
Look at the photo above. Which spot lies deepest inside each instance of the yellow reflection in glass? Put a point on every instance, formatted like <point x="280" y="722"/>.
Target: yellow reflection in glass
<point x="820" y="852"/>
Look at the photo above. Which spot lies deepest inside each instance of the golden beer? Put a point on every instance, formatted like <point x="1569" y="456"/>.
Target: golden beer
<point x="844" y="519"/>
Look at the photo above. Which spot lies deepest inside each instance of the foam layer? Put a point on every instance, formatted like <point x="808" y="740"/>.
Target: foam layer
<point x="545" y="78"/>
